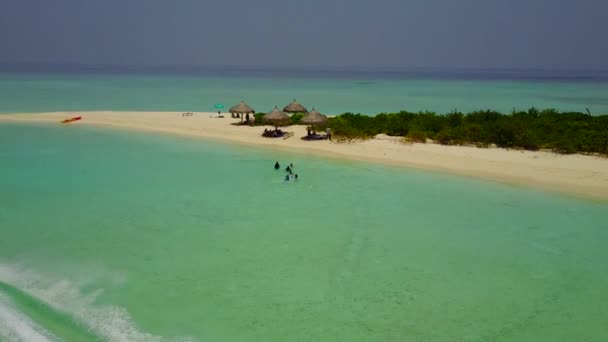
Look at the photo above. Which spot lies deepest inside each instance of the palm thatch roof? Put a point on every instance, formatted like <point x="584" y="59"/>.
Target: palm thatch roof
<point x="314" y="118"/>
<point x="276" y="117"/>
<point x="295" y="107"/>
<point x="241" y="108"/>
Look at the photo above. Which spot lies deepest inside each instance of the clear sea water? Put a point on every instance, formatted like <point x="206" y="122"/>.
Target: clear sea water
<point x="331" y="92"/>
<point x="121" y="236"/>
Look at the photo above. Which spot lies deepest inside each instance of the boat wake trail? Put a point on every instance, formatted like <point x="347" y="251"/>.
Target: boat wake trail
<point x="17" y="327"/>
<point x="36" y="307"/>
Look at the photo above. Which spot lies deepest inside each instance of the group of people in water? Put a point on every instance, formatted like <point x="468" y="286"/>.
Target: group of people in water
<point x="289" y="169"/>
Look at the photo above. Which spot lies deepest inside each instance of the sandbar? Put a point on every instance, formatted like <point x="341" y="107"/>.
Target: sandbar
<point x="579" y="175"/>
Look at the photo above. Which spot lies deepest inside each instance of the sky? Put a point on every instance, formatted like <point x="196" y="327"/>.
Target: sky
<point x="547" y="34"/>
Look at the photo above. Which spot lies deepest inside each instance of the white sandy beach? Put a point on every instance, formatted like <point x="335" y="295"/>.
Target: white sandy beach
<point x="579" y="175"/>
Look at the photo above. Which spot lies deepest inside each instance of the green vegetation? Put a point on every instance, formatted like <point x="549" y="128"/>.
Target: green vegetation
<point x="258" y="119"/>
<point x="294" y="119"/>
<point x="570" y="132"/>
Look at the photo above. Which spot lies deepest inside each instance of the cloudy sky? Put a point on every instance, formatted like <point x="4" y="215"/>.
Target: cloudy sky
<point x="563" y="34"/>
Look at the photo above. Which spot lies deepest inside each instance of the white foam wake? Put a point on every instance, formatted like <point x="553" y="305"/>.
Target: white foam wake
<point x="112" y="323"/>
<point x="15" y="327"/>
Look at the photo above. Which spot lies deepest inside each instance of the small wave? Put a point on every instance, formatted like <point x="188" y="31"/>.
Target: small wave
<point x="108" y="322"/>
<point x="15" y="327"/>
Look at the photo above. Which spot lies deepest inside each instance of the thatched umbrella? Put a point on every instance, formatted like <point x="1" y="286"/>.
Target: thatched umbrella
<point x="241" y="108"/>
<point x="295" y="107"/>
<point x="314" y="118"/>
<point x="276" y="117"/>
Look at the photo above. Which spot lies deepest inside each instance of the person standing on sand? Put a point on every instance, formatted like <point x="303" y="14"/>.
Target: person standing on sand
<point x="328" y="132"/>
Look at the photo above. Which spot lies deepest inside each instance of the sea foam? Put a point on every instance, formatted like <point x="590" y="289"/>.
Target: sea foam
<point x="15" y="326"/>
<point x="109" y="322"/>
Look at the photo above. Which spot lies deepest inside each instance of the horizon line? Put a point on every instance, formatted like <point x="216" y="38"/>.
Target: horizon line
<point x="345" y="68"/>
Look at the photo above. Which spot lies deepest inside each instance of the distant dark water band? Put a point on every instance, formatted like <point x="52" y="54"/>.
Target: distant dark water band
<point x="322" y="73"/>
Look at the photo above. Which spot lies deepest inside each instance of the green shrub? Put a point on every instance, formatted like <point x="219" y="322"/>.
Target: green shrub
<point x="570" y="132"/>
<point x="295" y="119"/>
<point x="565" y="147"/>
<point x="417" y="136"/>
<point x="258" y="119"/>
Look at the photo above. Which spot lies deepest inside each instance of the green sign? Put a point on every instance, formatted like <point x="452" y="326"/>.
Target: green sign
<point x="219" y="106"/>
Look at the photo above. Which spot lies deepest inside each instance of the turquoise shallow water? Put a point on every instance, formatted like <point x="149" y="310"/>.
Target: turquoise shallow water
<point x="357" y="93"/>
<point x="121" y="236"/>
